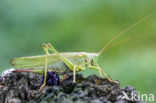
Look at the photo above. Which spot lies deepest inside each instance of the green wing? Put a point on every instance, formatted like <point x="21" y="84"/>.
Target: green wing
<point x="38" y="61"/>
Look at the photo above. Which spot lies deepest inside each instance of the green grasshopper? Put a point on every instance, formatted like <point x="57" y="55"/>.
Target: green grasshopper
<point x="64" y="62"/>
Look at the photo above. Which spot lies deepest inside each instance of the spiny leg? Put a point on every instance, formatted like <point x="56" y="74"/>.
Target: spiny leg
<point x="103" y="73"/>
<point x="45" y="47"/>
<point x="66" y="61"/>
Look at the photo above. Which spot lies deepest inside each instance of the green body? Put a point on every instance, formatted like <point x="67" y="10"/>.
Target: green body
<point x="65" y="62"/>
<point x="55" y="63"/>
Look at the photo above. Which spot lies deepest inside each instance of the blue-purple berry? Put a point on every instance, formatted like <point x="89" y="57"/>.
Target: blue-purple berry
<point x="52" y="79"/>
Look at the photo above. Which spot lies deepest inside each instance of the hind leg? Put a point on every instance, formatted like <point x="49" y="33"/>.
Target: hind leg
<point x="70" y="65"/>
<point x="46" y="69"/>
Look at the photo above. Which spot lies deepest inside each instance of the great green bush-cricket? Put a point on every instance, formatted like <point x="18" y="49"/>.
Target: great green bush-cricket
<point x="64" y="62"/>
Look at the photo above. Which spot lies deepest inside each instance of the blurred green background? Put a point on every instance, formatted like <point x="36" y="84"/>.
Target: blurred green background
<point x="84" y="25"/>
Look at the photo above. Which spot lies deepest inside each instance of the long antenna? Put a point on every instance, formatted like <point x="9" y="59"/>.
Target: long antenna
<point x="121" y="41"/>
<point x="121" y="33"/>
